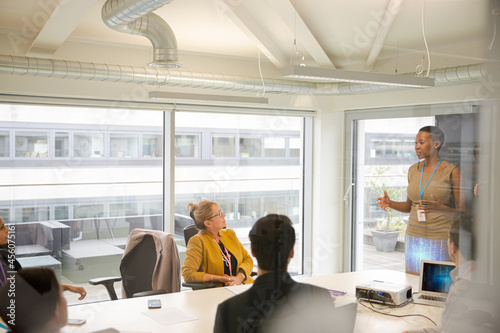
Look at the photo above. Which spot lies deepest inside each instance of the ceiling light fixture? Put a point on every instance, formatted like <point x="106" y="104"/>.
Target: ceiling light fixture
<point x="206" y="97"/>
<point x="340" y="75"/>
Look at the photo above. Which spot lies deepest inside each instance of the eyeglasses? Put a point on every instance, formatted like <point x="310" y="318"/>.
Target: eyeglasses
<point x="218" y="214"/>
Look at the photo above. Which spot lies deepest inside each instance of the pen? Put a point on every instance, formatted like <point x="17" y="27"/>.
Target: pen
<point x="337" y="292"/>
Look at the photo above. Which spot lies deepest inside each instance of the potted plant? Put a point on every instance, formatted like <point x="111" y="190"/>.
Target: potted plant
<point x="389" y="227"/>
<point x="385" y="237"/>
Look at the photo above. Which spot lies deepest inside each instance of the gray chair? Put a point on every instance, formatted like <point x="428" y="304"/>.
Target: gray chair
<point x="136" y="269"/>
<point x="189" y="232"/>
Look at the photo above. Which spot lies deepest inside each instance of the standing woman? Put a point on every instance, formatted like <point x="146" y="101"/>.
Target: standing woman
<point x="432" y="183"/>
<point x="215" y="254"/>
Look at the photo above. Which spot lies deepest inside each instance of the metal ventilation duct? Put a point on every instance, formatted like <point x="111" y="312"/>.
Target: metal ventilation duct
<point x="135" y="17"/>
<point x="14" y="65"/>
<point x="442" y="76"/>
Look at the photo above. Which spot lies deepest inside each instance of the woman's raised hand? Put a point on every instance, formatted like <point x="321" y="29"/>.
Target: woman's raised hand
<point x="384" y="202"/>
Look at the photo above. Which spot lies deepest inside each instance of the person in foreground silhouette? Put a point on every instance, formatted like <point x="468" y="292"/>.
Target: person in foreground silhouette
<point x="275" y="302"/>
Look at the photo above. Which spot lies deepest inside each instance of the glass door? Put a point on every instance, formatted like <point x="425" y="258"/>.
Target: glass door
<point x="380" y="151"/>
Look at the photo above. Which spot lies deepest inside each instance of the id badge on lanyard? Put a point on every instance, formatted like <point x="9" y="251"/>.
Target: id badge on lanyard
<point x="421" y="215"/>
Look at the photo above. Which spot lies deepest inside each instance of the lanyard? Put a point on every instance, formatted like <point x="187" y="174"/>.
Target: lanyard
<point x="421" y="192"/>
<point x="226" y="256"/>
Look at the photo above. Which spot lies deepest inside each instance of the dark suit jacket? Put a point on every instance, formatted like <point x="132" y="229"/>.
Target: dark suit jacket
<point x="276" y="303"/>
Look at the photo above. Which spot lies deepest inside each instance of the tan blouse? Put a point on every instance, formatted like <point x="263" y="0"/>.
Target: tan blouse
<point x="437" y="225"/>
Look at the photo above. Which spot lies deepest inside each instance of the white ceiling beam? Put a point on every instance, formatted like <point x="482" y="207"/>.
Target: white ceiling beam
<point x="61" y="23"/>
<point x="298" y="27"/>
<point x="384" y="27"/>
<point x="247" y="24"/>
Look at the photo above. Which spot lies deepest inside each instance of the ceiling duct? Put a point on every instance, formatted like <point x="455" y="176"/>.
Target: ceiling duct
<point x="15" y="65"/>
<point x="442" y="76"/>
<point x="135" y="17"/>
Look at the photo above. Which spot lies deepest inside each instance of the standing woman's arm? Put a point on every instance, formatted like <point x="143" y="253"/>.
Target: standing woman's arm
<point x="401" y="206"/>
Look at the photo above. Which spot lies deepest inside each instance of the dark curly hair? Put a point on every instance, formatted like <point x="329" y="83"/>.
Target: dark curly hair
<point x="436" y="134"/>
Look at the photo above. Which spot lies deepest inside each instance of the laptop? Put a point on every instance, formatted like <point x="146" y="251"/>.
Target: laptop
<point x="435" y="282"/>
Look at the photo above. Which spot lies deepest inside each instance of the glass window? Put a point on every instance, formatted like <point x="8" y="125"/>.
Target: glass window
<point x="5" y="214"/>
<point x="88" y="195"/>
<point x="61" y="212"/>
<point x="376" y="148"/>
<point x="32" y="144"/>
<point x="393" y="148"/>
<point x="124" y="145"/>
<point x="294" y="206"/>
<point x="31" y="214"/>
<point x="223" y="146"/>
<point x="244" y="190"/>
<point x="123" y="209"/>
<point x="249" y="208"/>
<point x="88" y="145"/>
<point x="187" y="145"/>
<point x="88" y="211"/>
<point x="250" y="147"/>
<point x="274" y="147"/>
<point x="294" y="147"/>
<point x="152" y="208"/>
<point x="408" y="148"/>
<point x="152" y="145"/>
<point x="4" y="144"/>
<point x="275" y="205"/>
<point x="61" y="143"/>
<point x="229" y="208"/>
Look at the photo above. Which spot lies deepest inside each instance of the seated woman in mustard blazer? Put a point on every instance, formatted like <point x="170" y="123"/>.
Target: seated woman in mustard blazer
<point x="215" y="254"/>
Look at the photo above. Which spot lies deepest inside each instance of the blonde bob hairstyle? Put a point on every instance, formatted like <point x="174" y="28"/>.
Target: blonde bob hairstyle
<point x="200" y="212"/>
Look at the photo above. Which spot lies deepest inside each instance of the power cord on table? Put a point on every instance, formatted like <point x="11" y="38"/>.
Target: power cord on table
<point x="393" y="315"/>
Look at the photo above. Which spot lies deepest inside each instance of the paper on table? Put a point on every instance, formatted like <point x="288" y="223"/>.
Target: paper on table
<point x="169" y="316"/>
<point x="239" y="289"/>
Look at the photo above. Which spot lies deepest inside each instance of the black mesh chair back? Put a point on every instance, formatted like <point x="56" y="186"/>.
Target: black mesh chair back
<point x="189" y="232"/>
<point x="137" y="267"/>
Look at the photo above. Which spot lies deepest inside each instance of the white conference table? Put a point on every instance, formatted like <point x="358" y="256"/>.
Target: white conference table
<point x="370" y="321"/>
<point x="199" y="308"/>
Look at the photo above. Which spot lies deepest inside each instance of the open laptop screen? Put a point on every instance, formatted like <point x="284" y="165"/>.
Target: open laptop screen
<point x="436" y="276"/>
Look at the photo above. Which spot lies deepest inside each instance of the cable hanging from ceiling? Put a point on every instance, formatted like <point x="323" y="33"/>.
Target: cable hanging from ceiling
<point x="419" y="69"/>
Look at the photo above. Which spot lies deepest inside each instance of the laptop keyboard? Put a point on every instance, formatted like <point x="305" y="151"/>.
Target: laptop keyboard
<point x="433" y="298"/>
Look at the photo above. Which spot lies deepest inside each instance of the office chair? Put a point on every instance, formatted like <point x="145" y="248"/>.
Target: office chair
<point x="189" y="232"/>
<point x="150" y="266"/>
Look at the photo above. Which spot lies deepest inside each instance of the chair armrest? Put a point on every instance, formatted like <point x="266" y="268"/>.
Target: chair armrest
<point x="198" y="285"/>
<point x="150" y="293"/>
<point x="107" y="282"/>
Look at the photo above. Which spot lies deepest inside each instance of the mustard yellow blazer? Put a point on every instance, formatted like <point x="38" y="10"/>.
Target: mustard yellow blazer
<point x="203" y="256"/>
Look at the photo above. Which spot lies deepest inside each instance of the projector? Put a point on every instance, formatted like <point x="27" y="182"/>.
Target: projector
<point x="384" y="292"/>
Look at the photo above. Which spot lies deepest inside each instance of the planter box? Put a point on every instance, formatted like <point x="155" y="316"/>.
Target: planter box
<point x="385" y="241"/>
